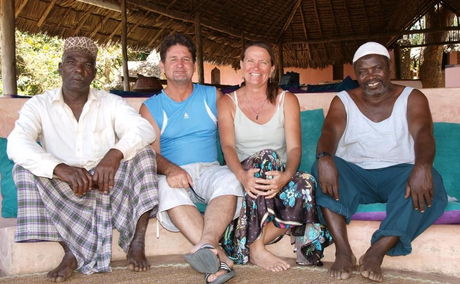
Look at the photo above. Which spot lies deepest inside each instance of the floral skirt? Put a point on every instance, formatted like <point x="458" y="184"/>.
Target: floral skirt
<point x="292" y="208"/>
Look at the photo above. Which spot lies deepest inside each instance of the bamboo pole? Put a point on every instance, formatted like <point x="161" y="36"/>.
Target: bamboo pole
<point x="199" y="49"/>
<point x="124" y="43"/>
<point x="280" y="61"/>
<point x="8" y="45"/>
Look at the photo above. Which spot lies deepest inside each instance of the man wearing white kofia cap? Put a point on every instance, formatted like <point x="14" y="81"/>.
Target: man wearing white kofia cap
<point x="92" y="172"/>
<point x="377" y="145"/>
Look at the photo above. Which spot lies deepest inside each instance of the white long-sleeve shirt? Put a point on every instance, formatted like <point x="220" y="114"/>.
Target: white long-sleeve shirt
<point x="106" y="122"/>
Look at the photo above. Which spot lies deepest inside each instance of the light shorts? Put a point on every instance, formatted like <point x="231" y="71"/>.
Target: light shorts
<point x="210" y="180"/>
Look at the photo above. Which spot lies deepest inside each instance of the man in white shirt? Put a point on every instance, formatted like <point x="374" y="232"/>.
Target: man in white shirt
<point x="92" y="171"/>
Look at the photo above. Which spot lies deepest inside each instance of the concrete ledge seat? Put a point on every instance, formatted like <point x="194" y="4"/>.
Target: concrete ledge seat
<point x="435" y="251"/>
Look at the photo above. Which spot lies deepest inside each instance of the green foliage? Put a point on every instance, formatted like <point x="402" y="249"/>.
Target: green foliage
<point x="38" y="57"/>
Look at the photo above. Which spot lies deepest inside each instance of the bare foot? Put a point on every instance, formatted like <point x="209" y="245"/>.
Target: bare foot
<point x="261" y="257"/>
<point x="211" y="278"/>
<point x="136" y="256"/>
<point x="369" y="267"/>
<point x="65" y="269"/>
<point x="224" y="258"/>
<point x="343" y="266"/>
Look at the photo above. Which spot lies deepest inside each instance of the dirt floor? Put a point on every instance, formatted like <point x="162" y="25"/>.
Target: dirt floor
<point x="172" y="269"/>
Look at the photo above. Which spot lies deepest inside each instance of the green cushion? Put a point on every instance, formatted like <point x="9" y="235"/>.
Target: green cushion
<point x="9" y="196"/>
<point x="447" y="159"/>
<point x="312" y="123"/>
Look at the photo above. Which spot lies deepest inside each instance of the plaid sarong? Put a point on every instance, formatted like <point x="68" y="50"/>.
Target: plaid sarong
<point x="48" y="210"/>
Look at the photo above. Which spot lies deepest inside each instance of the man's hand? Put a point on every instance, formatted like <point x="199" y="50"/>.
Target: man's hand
<point x="328" y="177"/>
<point x="79" y="179"/>
<point x="104" y="173"/>
<point x="177" y="177"/>
<point x="420" y="187"/>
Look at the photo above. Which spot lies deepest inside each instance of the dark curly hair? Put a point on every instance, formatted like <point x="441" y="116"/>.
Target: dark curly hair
<point x="174" y="39"/>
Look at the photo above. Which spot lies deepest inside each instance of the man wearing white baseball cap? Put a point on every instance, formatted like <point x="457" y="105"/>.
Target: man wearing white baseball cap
<point x="377" y="145"/>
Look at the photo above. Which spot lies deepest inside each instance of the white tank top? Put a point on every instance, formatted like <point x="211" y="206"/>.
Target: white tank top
<point x="373" y="145"/>
<point x="251" y="137"/>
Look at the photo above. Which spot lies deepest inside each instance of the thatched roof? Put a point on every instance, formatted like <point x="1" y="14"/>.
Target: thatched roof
<point x="312" y="33"/>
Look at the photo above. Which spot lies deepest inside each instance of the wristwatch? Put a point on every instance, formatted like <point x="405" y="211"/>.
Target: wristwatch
<point x="322" y="154"/>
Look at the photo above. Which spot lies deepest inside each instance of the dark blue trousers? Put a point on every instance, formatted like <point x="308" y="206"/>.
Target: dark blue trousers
<point x="385" y="185"/>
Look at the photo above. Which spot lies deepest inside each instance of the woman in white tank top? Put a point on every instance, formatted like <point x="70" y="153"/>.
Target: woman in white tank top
<point x="259" y="128"/>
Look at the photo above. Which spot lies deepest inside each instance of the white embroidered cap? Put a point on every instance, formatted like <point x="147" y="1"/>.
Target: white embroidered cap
<point x="370" y="48"/>
<point x="81" y="43"/>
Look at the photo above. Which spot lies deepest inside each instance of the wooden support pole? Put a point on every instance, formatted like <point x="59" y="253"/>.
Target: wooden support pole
<point x="124" y="45"/>
<point x="280" y="61"/>
<point x="397" y="59"/>
<point x="199" y="49"/>
<point x="8" y="45"/>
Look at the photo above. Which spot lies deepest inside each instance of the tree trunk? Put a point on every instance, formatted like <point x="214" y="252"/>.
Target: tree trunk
<point x="431" y="73"/>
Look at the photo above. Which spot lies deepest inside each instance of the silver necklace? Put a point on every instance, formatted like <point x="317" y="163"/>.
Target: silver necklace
<point x="259" y="110"/>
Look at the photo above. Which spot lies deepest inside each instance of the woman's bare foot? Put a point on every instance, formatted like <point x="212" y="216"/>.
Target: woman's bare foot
<point x="137" y="261"/>
<point x="260" y="256"/>
<point x="65" y="269"/>
<point x="343" y="266"/>
<point x="370" y="267"/>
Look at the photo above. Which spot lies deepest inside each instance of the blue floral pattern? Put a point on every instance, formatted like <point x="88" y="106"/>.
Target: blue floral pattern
<point x="293" y="208"/>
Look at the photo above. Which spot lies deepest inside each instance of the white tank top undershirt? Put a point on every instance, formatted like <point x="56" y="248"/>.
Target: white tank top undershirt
<point x="251" y="137"/>
<point x="373" y="145"/>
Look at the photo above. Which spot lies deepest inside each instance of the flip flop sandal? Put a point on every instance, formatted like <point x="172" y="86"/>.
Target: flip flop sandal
<point x="204" y="260"/>
<point x="222" y="278"/>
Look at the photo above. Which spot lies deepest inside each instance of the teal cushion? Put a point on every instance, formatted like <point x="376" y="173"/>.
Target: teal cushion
<point x="312" y="123"/>
<point x="9" y="196"/>
<point x="447" y="159"/>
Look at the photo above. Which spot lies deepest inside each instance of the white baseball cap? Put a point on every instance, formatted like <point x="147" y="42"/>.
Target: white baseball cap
<point x="370" y="48"/>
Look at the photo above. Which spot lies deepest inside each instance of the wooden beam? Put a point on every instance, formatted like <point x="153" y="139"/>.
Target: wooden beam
<point x="318" y="21"/>
<point x="197" y="7"/>
<point x="397" y="61"/>
<point x="280" y="62"/>
<point x="289" y="19"/>
<point x="199" y="48"/>
<point x="82" y="22"/>
<point x="19" y="10"/>
<point x="103" y="4"/>
<point x="66" y="14"/>
<point x="363" y="5"/>
<point x="124" y="43"/>
<point x="101" y="24"/>
<point x="8" y="47"/>
<point x="115" y="31"/>
<point x="165" y="26"/>
<point x="46" y="13"/>
<point x="431" y="43"/>
<point x="186" y="17"/>
<point x="422" y="10"/>
<point x="141" y="19"/>
<point x="160" y="17"/>
<point x="304" y="25"/>
<point x="361" y="37"/>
